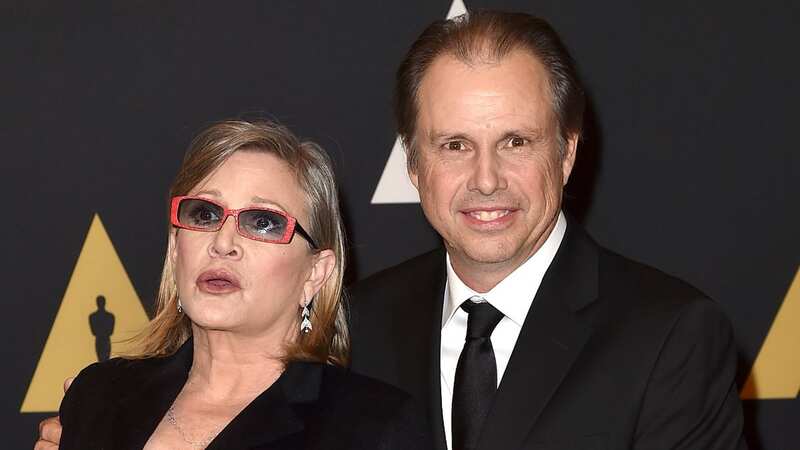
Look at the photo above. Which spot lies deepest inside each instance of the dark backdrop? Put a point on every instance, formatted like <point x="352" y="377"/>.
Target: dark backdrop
<point x="690" y="161"/>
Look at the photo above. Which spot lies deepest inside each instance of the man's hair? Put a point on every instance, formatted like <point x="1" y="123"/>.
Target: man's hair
<point x="488" y="36"/>
<point x="329" y="341"/>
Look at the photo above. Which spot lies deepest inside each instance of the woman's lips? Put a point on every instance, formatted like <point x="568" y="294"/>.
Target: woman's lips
<point x="218" y="282"/>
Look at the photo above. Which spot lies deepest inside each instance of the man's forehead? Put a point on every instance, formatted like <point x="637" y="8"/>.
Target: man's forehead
<point x="518" y="71"/>
<point x="487" y="60"/>
<point x="513" y="92"/>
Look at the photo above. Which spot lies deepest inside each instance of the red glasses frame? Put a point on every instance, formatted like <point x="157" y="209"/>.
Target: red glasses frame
<point x="292" y="225"/>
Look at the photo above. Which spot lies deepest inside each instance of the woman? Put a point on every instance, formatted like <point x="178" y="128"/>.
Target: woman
<point x="249" y="336"/>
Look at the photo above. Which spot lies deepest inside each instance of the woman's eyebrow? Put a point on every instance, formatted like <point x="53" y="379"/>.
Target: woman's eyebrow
<point x="211" y="192"/>
<point x="257" y="199"/>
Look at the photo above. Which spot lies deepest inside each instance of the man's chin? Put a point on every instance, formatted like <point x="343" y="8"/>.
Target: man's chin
<point x="486" y="254"/>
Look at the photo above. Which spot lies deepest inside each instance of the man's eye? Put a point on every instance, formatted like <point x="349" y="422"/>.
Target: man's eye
<point x="455" y="145"/>
<point x="516" y="141"/>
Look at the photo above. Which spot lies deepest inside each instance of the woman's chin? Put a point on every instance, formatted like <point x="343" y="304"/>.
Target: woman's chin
<point x="214" y="319"/>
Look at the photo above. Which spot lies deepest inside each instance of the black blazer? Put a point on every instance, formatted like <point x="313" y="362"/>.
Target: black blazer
<point x="612" y="355"/>
<point x="118" y="404"/>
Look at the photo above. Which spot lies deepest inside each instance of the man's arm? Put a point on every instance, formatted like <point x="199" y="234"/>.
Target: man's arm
<point x="691" y="400"/>
<point x="49" y="434"/>
<point x="50" y="428"/>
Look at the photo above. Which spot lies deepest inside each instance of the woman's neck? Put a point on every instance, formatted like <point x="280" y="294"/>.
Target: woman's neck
<point x="227" y="368"/>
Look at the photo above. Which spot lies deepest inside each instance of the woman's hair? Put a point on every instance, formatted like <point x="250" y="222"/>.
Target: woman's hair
<point x="329" y="341"/>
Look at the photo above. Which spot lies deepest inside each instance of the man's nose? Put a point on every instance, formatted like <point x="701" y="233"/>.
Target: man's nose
<point x="488" y="174"/>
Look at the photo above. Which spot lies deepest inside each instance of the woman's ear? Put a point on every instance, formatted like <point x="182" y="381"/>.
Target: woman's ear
<point x="321" y="269"/>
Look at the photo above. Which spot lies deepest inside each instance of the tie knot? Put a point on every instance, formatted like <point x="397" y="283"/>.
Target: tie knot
<point x="483" y="317"/>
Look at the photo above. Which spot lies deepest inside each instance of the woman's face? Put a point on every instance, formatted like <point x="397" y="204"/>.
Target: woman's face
<point x="229" y="282"/>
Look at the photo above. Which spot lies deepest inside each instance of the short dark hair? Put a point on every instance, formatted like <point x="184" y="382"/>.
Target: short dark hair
<point x="489" y="34"/>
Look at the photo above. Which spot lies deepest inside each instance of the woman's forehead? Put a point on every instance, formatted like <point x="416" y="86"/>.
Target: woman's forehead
<point x="249" y="178"/>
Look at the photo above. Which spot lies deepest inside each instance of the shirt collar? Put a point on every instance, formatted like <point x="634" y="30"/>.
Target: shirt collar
<point x="514" y="295"/>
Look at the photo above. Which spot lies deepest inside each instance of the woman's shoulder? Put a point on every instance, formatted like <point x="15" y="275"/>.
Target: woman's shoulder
<point x="110" y="371"/>
<point x="100" y="379"/>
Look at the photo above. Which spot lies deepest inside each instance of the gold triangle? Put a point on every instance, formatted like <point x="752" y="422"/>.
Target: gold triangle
<point x="71" y="344"/>
<point x="776" y="371"/>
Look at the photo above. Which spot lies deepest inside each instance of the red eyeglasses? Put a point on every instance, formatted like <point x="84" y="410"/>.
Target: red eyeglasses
<point x="259" y="224"/>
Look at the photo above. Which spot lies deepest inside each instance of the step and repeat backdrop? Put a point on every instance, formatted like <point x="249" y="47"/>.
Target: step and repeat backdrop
<point x="690" y="161"/>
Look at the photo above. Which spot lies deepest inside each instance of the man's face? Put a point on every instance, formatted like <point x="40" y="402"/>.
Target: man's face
<point x="489" y="171"/>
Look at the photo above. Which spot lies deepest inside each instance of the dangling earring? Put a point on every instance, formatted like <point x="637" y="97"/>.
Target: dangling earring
<point x="180" y="306"/>
<point x="305" y="325"/>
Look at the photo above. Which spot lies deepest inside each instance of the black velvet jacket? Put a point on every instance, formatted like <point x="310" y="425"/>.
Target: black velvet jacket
<point x="119" y="403"/>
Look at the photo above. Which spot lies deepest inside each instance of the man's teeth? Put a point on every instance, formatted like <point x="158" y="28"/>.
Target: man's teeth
<point x="488" y="216"/>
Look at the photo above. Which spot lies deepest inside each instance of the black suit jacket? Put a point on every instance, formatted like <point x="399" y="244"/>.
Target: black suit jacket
<point x="612" y="355"/>
<point x="118" y="404"/>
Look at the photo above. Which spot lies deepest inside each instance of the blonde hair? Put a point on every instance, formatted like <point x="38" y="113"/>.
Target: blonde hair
<point x="329" y="340"/>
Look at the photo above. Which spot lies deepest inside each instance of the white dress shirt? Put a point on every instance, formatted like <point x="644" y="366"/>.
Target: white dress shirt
<point x="513" y="297"/>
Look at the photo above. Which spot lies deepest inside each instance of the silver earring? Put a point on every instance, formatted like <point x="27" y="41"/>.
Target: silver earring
<point x="305" y="325"/>
<point x="180" y="306"/>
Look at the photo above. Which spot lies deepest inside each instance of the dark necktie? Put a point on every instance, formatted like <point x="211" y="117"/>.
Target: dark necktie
<point x="476" y="375"/>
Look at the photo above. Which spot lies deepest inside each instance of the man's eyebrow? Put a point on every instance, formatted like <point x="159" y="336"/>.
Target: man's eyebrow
<point x="533" y="134"/>
<point x="434" y="136"/>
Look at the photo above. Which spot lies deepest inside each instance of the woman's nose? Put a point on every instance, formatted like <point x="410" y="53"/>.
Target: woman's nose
<point x="226" y="241"/>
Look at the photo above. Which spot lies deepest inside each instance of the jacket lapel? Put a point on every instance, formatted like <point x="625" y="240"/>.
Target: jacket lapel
<point x="551" y="339"/>
<point x="276" y="413"/>
<point x="139" y="411"/>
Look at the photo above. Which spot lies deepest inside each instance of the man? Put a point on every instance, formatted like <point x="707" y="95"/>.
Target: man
<point x="522" y="333"/>
<point x="574" y="347"/>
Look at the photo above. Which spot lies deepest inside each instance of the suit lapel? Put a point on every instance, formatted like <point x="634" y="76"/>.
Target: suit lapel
<point x="437" y="287"/>
<point x="551" y="339"/>
<point x="420" y="350"/>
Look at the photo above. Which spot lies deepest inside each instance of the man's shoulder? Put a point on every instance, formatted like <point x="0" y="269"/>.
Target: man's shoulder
<point x="350" y="396"/>
<point x="631" y="288"/>
<point x="641" y="293"/>
<point x="429" y="266"/>
<point x="362" y="412"/>
<point x="621" y="273"/>
<point x="346" y="386"/>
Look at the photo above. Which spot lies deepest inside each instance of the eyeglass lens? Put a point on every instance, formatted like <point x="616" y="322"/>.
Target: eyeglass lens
<point x="256" y="223"/>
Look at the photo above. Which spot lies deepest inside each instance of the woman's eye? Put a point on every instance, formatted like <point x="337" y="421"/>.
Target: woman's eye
<point x="204" y="216"/>
<point x="264" y="224"/>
